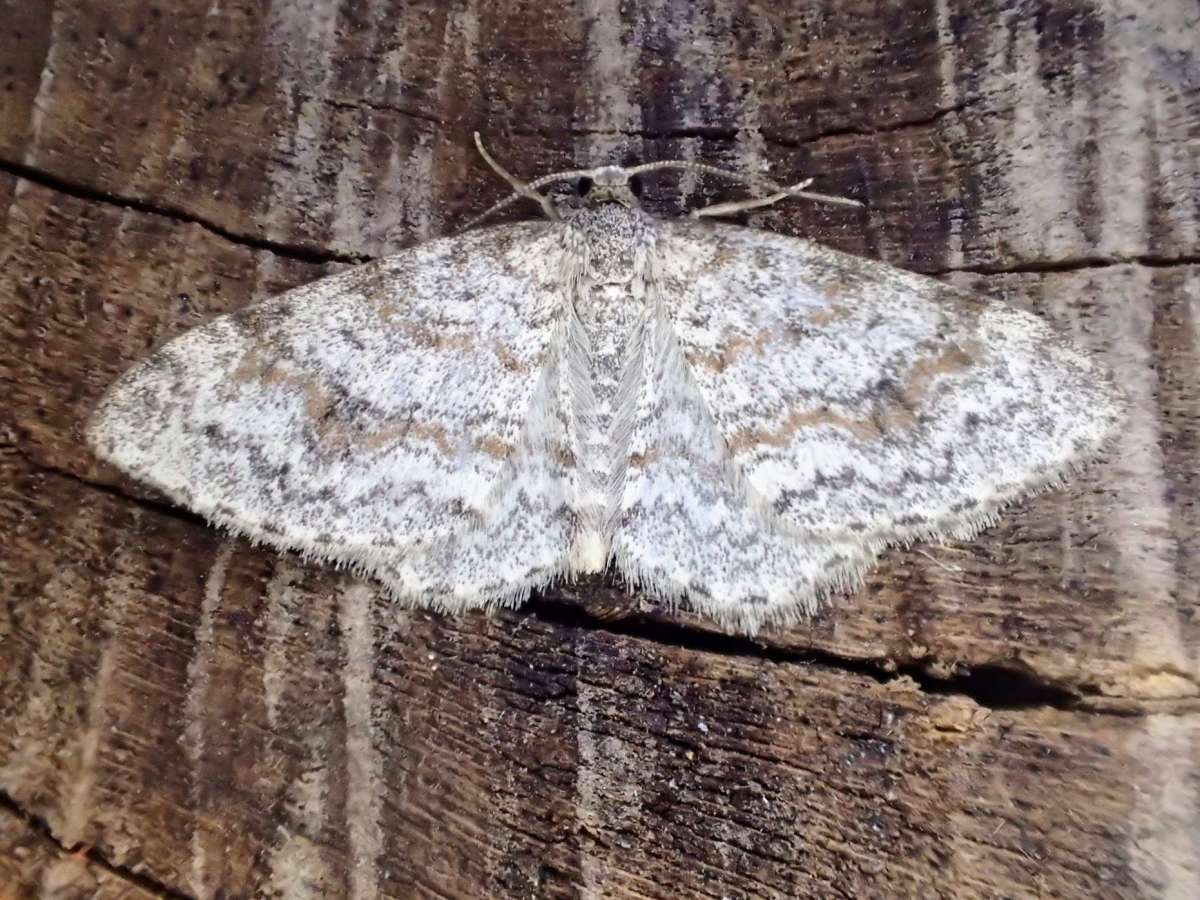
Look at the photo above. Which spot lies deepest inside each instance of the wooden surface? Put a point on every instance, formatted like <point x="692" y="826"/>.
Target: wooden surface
<point x="186" y="716"/>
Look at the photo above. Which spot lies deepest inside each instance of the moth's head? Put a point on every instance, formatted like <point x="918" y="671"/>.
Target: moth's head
<point x="609" y="184"/>
<point x="622" y="186"/>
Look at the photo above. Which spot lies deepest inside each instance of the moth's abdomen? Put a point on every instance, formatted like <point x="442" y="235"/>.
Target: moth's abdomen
<point x="604" y="388"/>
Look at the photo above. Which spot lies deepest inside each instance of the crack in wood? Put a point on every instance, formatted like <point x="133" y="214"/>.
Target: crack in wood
<point x="301" y="252"/>
<point x="360" y="105"/>
<point x="161" y="507"/>
<point x="1072" y="264"/>
<point x="321" y="256"/>
<point x="993" y="686"/>
<point x="724" y="134"/>
<point x="41" y="828"/>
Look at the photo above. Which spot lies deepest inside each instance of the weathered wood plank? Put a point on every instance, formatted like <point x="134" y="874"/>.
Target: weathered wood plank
<point x="221" y="718"/>
<point x="33" y="867"/>
<point x="91" y="285"/>
<point x="211" y="716"/>
<point x="982" y="134"/>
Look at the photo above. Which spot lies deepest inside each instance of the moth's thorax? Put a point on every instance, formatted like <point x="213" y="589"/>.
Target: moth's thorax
<point x="616" y="241"/>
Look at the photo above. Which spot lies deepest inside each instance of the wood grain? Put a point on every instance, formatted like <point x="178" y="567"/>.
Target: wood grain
<point x="1086" y="588"/>
<point x="34" y="867"/>
<point x="1011" y="716"/>
<point x="218" y="716"/>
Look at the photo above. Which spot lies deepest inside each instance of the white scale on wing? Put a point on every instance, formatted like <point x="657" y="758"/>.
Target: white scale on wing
<point x="734" y="420"/>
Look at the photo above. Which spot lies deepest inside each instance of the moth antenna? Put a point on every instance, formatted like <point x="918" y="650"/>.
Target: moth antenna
<point x="724" y="209"/>
<point x="520" y="188"/>
<point x="796" y="190"/>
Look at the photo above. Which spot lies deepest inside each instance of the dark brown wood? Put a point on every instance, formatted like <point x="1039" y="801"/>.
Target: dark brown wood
<point x="1018" y="715"/>
<point x="34" y="867"/>
<point x="219" y="716"/>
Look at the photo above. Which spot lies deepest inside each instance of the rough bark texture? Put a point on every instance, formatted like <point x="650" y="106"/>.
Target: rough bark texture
<point x="182" y="715"/>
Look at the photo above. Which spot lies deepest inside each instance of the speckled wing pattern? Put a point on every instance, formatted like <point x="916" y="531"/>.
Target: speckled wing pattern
<point x="734" y="420"/>
<point x="399" y="418"/>
<point x="863" y="401"/>
<point x="690" y="525"/>
<point x="809" y="408"/>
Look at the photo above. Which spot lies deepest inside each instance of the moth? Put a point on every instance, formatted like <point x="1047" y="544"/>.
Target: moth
<point x="733" y="420"/>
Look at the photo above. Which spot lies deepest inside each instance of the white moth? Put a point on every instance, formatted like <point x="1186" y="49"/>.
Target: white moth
<point x="724" y="416"/>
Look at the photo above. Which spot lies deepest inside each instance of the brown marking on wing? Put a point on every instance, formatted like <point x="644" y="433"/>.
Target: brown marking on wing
<point x="259" y="320"/>
<point x="320" y="407"/>
<point x="724" y="254"/>
<point x="340" y="433"/>
<point x="252" y="367"/>
<point x="493" y="447"/>
<point x="428" y="334"/>
<point x="382" y="288"/>
<point x="899" y="411"/>
<point x="410" y="430"/>
<point x="565" y="456"/>
<point x="836" y="288"/>
<point x="430" y="338"/>
<point x="827" y="315"/>
<point x="721" y="360"/>
<point x="894" y="415"/>
<point x="890" y="415"/>
<point x="642" y="460"/>
<point x="257" y="367"/>
<point x="954" y="358"/>
<point x="863" y="429"/>
<point x="513" y="363"/>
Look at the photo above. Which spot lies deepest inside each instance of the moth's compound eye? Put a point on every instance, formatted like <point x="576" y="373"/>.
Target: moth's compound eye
<point x="583" y="186"/>
<point x="635" y="185"/>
